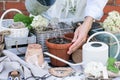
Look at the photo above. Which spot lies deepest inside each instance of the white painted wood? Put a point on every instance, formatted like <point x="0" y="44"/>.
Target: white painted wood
<point x="9" y="42"/>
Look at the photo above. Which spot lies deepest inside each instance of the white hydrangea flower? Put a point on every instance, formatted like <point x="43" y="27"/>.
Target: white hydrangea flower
<point x="112" y="22"/>
<point x="39" y="22"/>
<point x="114" y="13"/>
<point x="94" y="69"/>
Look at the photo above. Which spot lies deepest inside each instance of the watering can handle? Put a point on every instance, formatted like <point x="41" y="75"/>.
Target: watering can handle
<point x="104" y="32"/>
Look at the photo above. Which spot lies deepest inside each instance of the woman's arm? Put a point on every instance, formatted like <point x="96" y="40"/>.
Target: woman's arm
<point x="80" y="34"/>
<point x="94" y="10"/>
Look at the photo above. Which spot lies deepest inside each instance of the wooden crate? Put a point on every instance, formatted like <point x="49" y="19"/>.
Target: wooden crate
<point x="10" y="43"/>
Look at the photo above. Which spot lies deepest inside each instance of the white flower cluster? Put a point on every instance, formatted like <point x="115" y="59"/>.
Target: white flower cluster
<point x="39" y="23"/>
<point x="112" y="22"/>
<point x="94" y="69"/>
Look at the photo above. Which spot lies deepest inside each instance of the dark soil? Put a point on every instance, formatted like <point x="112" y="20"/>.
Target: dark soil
<point x="59" y="40"/>
<point x="94" y="25"/>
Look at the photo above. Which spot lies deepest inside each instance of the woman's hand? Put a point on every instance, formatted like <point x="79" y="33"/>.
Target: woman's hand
<point x="81" y="34"/>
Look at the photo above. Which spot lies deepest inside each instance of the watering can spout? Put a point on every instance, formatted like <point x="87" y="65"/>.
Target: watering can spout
<point x="75" y="66"/>
<point x="62" y="60"/>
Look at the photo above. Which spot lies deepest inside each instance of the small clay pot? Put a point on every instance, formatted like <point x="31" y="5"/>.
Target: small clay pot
<point x="59" y="50"/>
<point x="69" y="36"/>
<point x="77" y="56"/>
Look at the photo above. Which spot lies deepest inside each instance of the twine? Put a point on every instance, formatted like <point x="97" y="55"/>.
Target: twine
<point x="18" y="49"/>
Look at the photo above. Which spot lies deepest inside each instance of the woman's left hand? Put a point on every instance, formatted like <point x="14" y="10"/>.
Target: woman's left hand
<point x="80" y="35"/>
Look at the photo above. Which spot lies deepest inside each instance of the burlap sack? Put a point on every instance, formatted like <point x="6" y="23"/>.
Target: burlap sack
<point x="2" y="34"/>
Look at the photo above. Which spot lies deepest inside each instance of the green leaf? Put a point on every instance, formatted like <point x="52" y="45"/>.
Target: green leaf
<point x="23" y="18"/>
<point x="111" y="61"/>
<point x="113" y="69"/>
<point x="29" y="27"/>
<point x="110" y="65"/>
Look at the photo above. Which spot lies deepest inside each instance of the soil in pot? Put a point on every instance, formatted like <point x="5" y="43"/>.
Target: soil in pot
<point x="58" y="47"/>
<point x="59" y="40"/>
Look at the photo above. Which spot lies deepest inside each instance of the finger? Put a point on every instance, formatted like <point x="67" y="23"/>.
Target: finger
<point x="75" y="46"/>
<point x="72" y="49"/>
<point x="75" y="35"/>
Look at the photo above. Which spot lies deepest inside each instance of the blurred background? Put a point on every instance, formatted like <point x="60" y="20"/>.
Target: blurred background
<point x="19" y="4"/>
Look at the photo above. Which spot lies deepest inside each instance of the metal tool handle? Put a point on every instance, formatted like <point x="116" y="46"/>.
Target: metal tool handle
<point x="62" y="60"/>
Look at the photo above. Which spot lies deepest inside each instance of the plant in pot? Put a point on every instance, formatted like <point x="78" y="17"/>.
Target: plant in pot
<point x="58" y="46"/>
<point x="69" y="36"/>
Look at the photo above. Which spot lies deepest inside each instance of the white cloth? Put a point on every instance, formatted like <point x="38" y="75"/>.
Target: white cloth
<point x="94" y="8"/>
<point x="12" y="62"/>
<point x="62" y="9"/>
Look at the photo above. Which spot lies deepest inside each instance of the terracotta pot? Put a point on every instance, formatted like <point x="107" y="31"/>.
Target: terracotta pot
<point x="77" y="56"/>
<point x="69" y="36"/>
<point x="59" y="50"/>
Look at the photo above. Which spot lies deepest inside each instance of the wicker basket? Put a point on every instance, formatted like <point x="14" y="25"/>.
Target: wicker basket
<point x="4" y="24"/>
<point x="42" y="36"/>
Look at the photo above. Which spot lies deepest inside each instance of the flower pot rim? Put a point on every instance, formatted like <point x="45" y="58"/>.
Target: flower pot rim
<point x="69" y="35"/>
<point x="58" y="46"/>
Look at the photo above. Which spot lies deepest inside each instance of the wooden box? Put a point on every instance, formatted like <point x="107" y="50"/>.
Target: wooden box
<point x="21" y="43"/>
